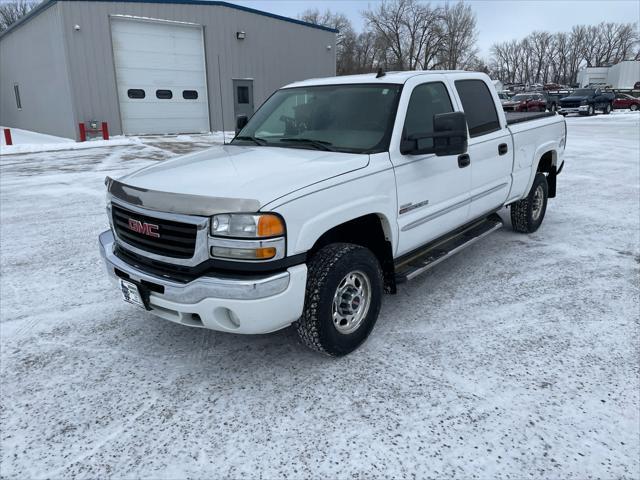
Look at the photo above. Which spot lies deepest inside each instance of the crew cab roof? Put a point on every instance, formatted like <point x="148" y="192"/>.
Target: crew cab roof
<point x="388" y="77"/>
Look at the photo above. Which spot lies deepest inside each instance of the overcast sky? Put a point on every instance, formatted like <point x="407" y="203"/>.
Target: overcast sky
<point x="498" y="20"/>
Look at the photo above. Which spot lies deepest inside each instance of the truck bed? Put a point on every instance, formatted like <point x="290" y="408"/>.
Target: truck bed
<point x="518" y="117"/>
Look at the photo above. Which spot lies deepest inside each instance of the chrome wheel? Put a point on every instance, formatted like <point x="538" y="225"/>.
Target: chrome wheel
<point x="351" y="302"/>
<point x="538" y="202"/>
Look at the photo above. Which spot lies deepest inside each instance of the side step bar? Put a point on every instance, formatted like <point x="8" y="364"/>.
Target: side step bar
<point x="435" y="252"/>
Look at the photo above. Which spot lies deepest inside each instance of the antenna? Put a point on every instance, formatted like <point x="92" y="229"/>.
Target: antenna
<point x="380" y="73"/>
<point x="224" y="138"/>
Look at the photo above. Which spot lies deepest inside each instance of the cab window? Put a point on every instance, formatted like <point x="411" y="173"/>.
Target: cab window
<point x="478" y="106"/>
<point x="426" y="101"/>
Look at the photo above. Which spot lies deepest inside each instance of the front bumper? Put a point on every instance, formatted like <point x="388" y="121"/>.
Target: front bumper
<point x="237" y="305"/>
<point x="580" y="109"/>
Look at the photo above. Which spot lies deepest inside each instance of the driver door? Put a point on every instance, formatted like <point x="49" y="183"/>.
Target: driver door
<point x="433" y="192"/>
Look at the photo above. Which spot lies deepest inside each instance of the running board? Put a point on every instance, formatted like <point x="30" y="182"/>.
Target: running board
<point x="439" y="250"/>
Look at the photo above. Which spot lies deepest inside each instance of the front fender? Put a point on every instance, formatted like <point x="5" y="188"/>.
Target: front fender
<point x="312" y="214"/>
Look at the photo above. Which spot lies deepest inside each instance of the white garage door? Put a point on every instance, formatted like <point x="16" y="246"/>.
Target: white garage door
<point x="161" y="78"/>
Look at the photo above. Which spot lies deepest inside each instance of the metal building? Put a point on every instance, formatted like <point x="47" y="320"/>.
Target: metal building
<point x="151" y="66"/>
<point x="623" y="75"/>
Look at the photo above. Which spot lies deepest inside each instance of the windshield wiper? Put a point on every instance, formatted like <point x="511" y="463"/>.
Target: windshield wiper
<point x="256" y="140"/>
<point x="319" y="144"/>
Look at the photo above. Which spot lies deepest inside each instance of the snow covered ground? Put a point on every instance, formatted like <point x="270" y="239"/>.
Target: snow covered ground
<point x="518" y="358"/>
<point x="25" y="141"/>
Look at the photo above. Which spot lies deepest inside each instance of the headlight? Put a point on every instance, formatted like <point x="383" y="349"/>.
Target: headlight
<point x="247" y="237"/>
<point x="242" y="225"/>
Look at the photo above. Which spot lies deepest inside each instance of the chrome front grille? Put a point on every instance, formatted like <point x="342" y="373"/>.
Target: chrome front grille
<point x="155" y="235"/>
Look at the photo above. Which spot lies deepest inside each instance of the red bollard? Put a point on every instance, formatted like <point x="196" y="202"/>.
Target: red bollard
<point x="105" y="131"/>
<point x="83" y="132"/>
<point x="7" y="137"/>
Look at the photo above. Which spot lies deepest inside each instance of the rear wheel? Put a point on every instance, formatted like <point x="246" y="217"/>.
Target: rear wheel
<point x="607" y="109"/>
<point x="633" y="107"/>
<point x="528" y="213"/>
<point x="344" y="293"/>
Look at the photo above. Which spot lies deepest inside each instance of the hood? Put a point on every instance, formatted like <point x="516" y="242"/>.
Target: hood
<point x="511" y="103"/>
<point x="571" y="98"/>
<point x="256" y="175"/>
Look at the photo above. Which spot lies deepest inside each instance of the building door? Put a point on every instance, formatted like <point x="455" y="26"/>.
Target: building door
<point x="161" y="76"/>
<point x="242" y="97"/>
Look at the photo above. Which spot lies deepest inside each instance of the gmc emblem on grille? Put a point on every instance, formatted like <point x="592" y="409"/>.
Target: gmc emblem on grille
<point x="148" y="229"/>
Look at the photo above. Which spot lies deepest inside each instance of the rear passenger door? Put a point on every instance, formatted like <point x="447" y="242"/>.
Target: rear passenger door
<point x="489" y="149"/>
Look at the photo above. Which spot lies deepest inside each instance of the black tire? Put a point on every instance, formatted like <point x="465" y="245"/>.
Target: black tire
<point x="591" y="111"/>
<point x="523" y="216"/>
<point x="633" y="107"/>
<point x="607" y="109"/>
<point x="327" y="269"/>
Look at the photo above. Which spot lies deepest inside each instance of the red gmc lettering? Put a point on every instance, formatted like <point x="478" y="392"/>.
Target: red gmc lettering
<point x="143" y="228"/>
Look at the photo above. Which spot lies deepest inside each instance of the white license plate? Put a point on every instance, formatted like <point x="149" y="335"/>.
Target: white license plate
<point x="131" y="293"/>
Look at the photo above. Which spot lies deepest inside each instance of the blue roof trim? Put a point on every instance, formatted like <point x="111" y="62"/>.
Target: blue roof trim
<point x="48" y="3"/>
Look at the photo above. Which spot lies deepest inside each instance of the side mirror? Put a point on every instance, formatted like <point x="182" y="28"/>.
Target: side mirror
<point x="241" y="121"/>
<point x="449" y="137"/>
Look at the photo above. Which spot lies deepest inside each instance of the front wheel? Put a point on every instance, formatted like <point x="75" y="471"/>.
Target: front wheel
<point x="607" y="109"/>
<point x="633" y="107"/>
<point x="528" y="213"/>
<point x="591" y="110"/>
<point x="343" y="297"/>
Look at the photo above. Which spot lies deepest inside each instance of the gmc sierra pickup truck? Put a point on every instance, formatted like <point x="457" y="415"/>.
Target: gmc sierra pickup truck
<point x="336" y="191"/>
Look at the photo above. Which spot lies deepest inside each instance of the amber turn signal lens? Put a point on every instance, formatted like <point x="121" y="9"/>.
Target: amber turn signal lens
<point x="265" y="253"/>
<point x="270" y="226"/>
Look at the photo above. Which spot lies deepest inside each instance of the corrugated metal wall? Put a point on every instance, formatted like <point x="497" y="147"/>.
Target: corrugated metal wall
<point x="33" y="57"/>
<point x="274" y="53"/>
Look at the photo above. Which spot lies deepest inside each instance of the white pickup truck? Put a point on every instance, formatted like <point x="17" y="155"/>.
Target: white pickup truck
<point x="335" y="191"/>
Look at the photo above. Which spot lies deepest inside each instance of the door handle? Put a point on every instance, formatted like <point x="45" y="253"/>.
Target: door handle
<point x="503" y="148"/>
<point x="464" y="160"/>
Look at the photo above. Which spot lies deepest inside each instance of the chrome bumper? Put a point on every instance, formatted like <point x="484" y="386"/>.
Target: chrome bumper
<point x="239" y="305"/>
<point x="580" y="109"/>
<point x="201" y="288"/>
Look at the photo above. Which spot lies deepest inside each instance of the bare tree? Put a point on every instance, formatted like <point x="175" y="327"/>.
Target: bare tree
<point x="11" y="12"/>
<point x="459" y="36"/>
<point x="389" y="21"/>
<point x="345" y="38"/>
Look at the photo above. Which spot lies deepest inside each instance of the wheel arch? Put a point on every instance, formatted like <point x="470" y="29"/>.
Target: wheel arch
<point x="546" y="161"/>
<point x="372" y="231"/>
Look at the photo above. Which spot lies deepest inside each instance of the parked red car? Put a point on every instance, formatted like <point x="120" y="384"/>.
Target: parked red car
<point x="623" y="100"/>
<point x="526" y="102"/>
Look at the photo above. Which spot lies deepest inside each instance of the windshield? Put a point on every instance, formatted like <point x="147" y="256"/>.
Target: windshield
<point x="503" y="96"/>
<point x="583" y="92"/>
<point x="345" y="118"/>
<point x="520" y="97"/>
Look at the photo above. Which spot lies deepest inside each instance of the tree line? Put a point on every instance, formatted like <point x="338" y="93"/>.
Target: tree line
<point x="403" y="35"/>
<point x="412" y="35"/>
<point x="543" y="57"/>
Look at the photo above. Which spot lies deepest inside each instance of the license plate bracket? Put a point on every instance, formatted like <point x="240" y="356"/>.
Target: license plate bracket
<point x="134" y="293"/>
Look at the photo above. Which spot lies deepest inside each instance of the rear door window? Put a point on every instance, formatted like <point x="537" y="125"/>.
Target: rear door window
<point x="478" y="106"/>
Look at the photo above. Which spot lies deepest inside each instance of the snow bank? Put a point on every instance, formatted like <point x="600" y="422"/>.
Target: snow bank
<point x="25" y="141"/>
